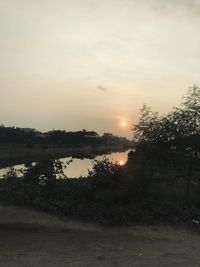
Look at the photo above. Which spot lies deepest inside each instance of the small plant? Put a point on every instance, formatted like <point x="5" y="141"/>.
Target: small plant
<point x="46" y="172"/>
<point x="104" y="172"/>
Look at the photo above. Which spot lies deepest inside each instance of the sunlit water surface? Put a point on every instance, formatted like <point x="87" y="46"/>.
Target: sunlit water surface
<point x="80" y="167"/>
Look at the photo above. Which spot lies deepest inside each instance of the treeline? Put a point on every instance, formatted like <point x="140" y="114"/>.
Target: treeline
<point x="28" y="136"/>
<point x="159" y="183"/>
<point x="172" y="140"/>
<point x="178" y="131"/>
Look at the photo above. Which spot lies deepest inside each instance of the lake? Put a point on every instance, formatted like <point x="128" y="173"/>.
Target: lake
<point x="79" y="167"/>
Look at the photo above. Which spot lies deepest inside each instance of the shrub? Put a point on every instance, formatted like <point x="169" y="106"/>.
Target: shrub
<point x="104" y="173"/>
<point x="45" y="172"/>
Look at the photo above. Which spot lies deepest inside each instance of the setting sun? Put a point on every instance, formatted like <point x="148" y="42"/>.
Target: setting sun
<point x="123" y="124"/>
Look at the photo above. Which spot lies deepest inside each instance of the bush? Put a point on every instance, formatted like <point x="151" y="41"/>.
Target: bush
<point x="45" y="172"/>
<point x="104" y="173"/>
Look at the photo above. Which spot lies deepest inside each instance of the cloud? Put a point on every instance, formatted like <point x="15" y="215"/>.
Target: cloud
<point x="189" y="6"/>
<point x="101" y="88"/>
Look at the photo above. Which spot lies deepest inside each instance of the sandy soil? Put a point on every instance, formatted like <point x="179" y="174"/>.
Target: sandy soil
<point x="29" y="238"/>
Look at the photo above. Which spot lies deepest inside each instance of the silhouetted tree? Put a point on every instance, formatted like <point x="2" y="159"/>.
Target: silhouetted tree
<point x="177" y="131"/>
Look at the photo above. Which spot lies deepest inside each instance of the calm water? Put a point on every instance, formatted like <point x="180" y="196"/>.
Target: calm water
<point x="80" y="167"/>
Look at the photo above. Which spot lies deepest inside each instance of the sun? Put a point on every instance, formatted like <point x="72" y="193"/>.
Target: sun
<point x="123" y="124"/>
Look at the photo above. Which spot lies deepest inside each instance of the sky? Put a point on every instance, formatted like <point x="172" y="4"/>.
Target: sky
<point x="74" y="64"/>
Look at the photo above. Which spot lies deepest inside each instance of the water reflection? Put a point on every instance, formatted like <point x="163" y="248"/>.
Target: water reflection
<point x="122" y="162"/>
<point x="80" y="167"/>
<point x="18" y="169"/>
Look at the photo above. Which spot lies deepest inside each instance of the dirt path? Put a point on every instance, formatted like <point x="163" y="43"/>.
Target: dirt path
<point x="29" y="238"/>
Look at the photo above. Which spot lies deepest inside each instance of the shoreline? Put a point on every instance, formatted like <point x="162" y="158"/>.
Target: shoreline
<point x="13" y="154"/>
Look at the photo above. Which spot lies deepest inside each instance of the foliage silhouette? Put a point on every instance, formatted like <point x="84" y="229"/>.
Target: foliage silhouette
<point x="176" y="134"/>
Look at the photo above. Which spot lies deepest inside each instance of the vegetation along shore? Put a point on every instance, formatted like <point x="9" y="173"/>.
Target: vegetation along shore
<point x="160" y="182"/>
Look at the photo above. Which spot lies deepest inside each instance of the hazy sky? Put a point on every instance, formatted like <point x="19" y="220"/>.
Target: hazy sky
<point x="73" y="64"/>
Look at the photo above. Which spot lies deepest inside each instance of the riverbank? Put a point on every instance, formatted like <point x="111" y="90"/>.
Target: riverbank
<point x="12" y="154"/>
<point x="110" y="194"/>
<point x="50" y="241"/>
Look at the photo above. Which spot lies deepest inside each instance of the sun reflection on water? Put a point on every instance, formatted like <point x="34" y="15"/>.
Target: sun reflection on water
<point x="121" y="162"/>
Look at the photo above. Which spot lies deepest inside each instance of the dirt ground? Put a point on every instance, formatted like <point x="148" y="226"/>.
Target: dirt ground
<point x="29" y="238"/>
